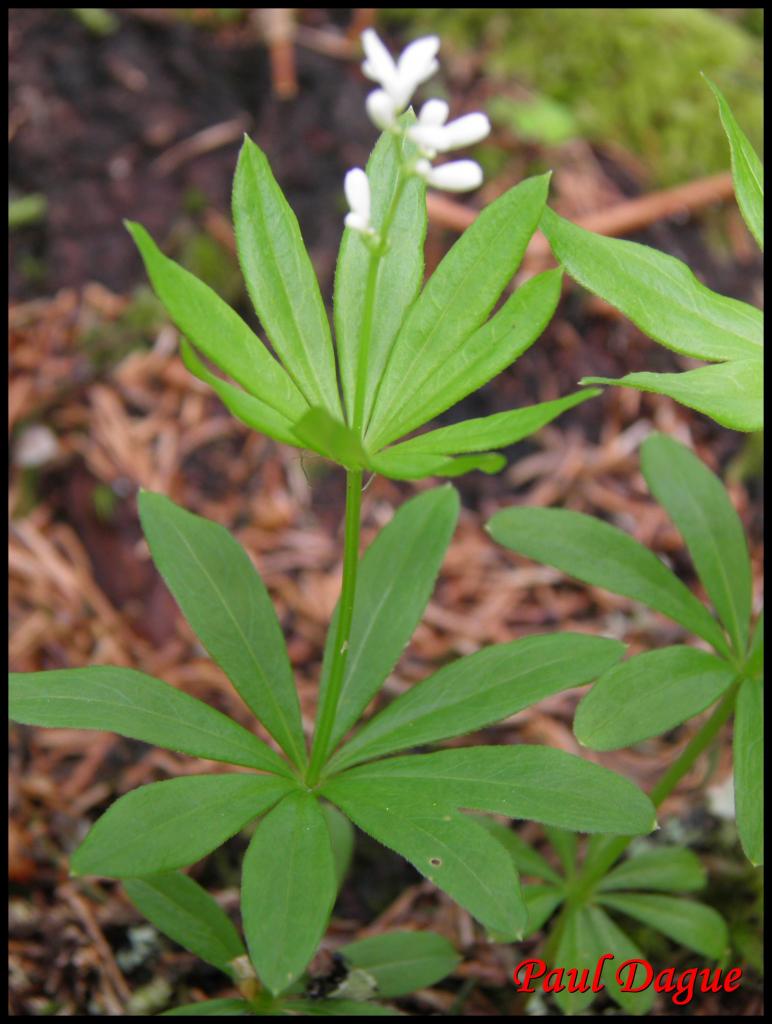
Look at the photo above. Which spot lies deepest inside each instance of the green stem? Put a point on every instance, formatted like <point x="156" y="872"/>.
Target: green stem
<point x="329" y="704"/>
<point x="606" y="855"/>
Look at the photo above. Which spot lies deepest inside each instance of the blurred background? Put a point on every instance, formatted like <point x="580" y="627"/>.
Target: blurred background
<point x="139" y="113"/>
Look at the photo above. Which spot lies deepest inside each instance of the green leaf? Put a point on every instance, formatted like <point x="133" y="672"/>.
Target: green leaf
<point x="183" y="910"/>
<point x="226" y="603"/>
<point x="400" y="269"/>
<point x="749" y="768"/>
<point x="659" y="293"/>
<point x="534" y="783"/>
<point x="402" y="962"/>
<point x="451" y="850"/>
<point x="673" y="869"/>
<point x="565" y="845"/>
<point x="322" y="433"/>
<point x="338" y="1008"/>
<point x="485" y="353"/>
<point x="730" y="393"/>
<point x="217" y="331"/>
<point x="697" y="502"/>
<point x="747" y="171"/>
<point x="480" y="689"/>
<point x="688" y="923"/>
<point x="288" y="889"/>
<point x="525" y="858"/>
<point x="589" y="934"/>
<point x="603" y="556"/>
<point x="135" y="705"/>
<point x="400" y="465"/>
<point x="754" y="665"/>
<point x="212" y="1008"/>
<point x="541" y="901"/>
<point x="648" y="695"/>
<point x="281" y="281"/>
<point x="394" y="582"/>
<point x="496" y="431"/>
<point x="341" y="840"/>
<point x="457" y="299"/>
<point x="169" y="825"/>
<point x="256" y="413"/>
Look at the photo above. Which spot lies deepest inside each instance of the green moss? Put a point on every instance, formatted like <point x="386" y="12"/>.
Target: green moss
<point x="628" y="76"/>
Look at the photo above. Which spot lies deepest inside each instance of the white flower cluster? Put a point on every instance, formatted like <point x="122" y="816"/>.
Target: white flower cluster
<point x="432" y="133"/>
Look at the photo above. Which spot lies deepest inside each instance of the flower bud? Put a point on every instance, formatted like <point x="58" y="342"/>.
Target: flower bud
<point x="381" y="109"/>
<point x="457" y="176"/>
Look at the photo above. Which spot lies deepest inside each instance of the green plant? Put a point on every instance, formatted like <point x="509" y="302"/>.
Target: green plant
<point x="664" y="299"/>
<point x="404" y="355"/>
<point x="646" y="888"/>
<point x="393" y="964"/>
<point x="652" y="693"/>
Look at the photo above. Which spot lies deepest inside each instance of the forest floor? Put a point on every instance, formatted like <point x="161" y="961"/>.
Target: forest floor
<point x="107" y="127"/>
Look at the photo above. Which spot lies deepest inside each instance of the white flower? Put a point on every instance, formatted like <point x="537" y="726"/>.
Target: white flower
<point x="431" y="133"/>
<point x="434" y="112"/>
<point x="398" y="80"/>
<point x="457" y="176"/>
<point x="433" y="136"/>
<point x="357" y="189"/>
<point x="381" y="109"/>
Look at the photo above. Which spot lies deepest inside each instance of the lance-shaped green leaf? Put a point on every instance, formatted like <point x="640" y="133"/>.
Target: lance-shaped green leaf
<point x="671" y="869"/>
<point x="530" y="782"/>
<point x="132" y="704"/>
<point x="281" y="281"/>
<point x="395" y="580"/>
<point x="213" y="1008"/>
<point x="659" y="293"/>
<point x="749" y="768"/>
<point x="541" y="902"/>
<point x="697" y="502"/>
<point x="180" y="908"/>
<point x="604" y="556"/>
<point x="484" y="354"/>
<point x="341" y="840"/>
<point x="448" y="848"/>
<point x="688" y="923"/>
<point x="754" y="665"/>
<point x="393" y="278"/>
<point x="400" y="465"/>
<point x="565" y="845"/>
<point x="217" y="331"/>
<point x="525" y="858"/>
<point x="226" y="603"/>
<point x="402" y="962"/>
<point x="480" y="689"/>
<point x="747" y="171"/>
<point x="252" y="411"/>
<point x="458" y="297"/>
<point x="648" y="695"/>
<point x="590" y="934"/>
<point x="169" y="825"/>
<point x="496" y="431"/>
<point x="287" y="889"/>
<point x="321" y="432"/>
<point x="730" y="393"/>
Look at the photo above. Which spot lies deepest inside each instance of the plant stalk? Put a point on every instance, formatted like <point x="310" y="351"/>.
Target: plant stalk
<point x="329" y="702"/>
